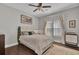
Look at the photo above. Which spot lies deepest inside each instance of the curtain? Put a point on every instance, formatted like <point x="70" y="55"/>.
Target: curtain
<point x="49" y="28"/>
<point x="58" y="26"/>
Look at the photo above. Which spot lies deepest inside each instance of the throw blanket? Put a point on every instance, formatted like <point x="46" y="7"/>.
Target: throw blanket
<point x="38" y="43"/>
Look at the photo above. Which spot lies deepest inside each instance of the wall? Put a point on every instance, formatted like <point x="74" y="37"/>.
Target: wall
<point x="70" y="14"/>
<point x="9" y="22"/>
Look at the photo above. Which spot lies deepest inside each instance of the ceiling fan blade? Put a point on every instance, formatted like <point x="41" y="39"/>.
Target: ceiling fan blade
<point x="46" y="6"/>
<point x="32" y="5"/>
<point x="35" y="10"/>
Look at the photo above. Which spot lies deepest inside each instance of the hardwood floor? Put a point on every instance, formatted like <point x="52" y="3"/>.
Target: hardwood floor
<point x="19" y="50"/>
<point x="23" y="50"/>
<point x="75" y="48"/>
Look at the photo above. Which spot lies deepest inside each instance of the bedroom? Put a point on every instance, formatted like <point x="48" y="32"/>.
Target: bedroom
<point x="59" y="20"/>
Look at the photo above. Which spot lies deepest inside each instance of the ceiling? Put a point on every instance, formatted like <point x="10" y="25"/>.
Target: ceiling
<point x="56" y="7"/>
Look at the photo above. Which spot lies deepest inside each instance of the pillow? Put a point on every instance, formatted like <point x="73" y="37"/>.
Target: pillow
<point x="27" y="32"/>
<point x="38" y="32"/>
<point x="30" y="33"/>
<point x="24" y="33"/>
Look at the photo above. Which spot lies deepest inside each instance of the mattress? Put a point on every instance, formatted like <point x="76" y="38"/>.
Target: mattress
<point x="38" y="43"/>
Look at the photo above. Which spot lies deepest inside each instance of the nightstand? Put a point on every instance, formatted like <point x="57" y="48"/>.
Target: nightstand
<point x="71" y="39"/>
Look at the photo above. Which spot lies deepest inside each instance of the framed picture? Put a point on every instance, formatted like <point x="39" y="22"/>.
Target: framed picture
<point x="72" y="23"/>
<point x="26" y="19"/>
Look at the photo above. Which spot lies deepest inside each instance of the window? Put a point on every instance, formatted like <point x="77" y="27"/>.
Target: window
<point x="57" y="29"/>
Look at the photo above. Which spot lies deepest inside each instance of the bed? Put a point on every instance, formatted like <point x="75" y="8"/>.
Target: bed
<point x="39" y="43"/>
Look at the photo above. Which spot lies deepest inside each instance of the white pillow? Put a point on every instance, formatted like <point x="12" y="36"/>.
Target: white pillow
<point x="26" y="32"/>
<point x="38" y="31"/>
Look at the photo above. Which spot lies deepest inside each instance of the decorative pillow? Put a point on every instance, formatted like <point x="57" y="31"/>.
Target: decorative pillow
<point x="38" y="32"/>
<point x="27" y="32"/>
<point x="24" y="33"/>
<point x="30" y="33"/>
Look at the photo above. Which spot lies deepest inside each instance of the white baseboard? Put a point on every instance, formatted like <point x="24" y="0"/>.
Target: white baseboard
<point x="6" y="46"/>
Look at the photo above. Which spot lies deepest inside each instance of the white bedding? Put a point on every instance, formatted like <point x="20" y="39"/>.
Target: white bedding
<point x="38" y="43"/>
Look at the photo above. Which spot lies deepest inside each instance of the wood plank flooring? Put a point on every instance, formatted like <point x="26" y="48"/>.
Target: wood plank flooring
<point x="66" y="46"/>
<point x="23" y="50"/>
<point x="19" y="50"/>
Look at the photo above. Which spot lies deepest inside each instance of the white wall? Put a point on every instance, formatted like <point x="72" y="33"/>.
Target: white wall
<point x="9" y="22"/>
<point x="70" y="14"/>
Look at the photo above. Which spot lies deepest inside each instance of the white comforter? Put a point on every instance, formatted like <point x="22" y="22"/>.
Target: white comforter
<point x="38" y="43"/>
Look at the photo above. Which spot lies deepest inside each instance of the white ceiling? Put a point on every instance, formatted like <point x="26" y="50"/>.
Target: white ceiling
<point x="47" y="11"/>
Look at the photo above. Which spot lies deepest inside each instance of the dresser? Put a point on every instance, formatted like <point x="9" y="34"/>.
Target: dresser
<point x="71" y="39"/>
<point x="2" y="44"/>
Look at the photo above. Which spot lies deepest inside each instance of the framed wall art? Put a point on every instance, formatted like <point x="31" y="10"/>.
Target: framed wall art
<point x="72" y="23"/>
<point x="26" y="19"/>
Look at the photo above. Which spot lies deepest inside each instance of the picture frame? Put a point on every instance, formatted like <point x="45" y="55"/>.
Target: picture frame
<point x="26" y="19"/>
<point x="72" y="23"/>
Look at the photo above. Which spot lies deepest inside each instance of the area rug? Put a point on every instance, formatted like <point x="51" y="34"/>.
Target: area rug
<point x="60" y="50"/>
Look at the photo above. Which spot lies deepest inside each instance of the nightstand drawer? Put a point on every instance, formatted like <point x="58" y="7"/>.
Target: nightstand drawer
<point x="71" y="39"/>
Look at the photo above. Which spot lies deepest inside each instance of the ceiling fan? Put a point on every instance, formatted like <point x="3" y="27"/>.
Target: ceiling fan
<point x="39" y="7"/>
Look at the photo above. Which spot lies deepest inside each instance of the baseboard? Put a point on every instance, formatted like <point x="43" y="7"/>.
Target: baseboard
<point x="6" y="46"/>
<point x="62" y="42"/>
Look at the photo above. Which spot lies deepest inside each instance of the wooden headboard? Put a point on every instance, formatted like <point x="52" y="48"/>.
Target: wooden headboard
<point x="21" y="32"/>
<point x="18" y="33"/>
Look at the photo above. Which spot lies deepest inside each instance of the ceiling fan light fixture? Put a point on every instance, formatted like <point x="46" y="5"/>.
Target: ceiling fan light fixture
<point x="39" y="7"/>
